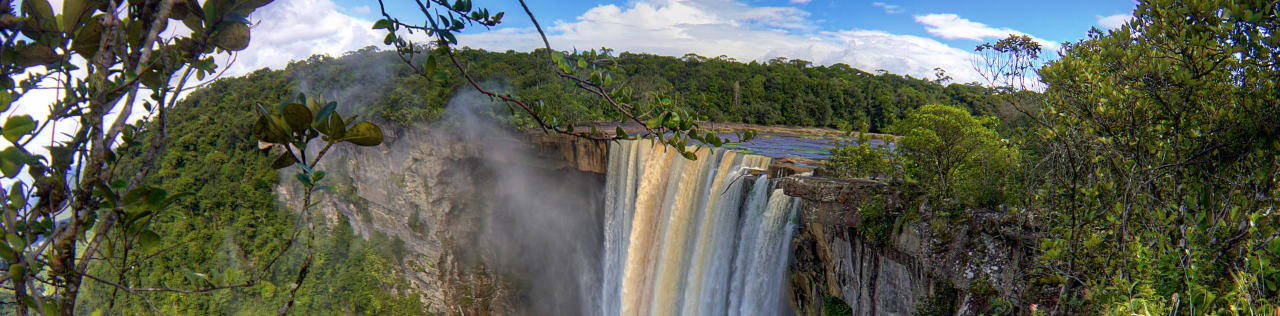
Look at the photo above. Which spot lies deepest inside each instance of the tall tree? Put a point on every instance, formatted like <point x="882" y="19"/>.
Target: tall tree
<point x="1161" y="161"/>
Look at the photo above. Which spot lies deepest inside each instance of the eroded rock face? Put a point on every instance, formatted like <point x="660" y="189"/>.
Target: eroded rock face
<point x="884" y="252"/>
<point x="454" y="204"/>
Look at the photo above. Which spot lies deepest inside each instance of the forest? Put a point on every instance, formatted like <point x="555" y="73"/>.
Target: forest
<point x="777" y="92"/>
<point x="1144" y="161"/>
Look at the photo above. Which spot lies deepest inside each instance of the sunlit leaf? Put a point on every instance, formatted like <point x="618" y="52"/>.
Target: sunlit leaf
<point x="364" y="134"/>
<point x="17" y="126"/>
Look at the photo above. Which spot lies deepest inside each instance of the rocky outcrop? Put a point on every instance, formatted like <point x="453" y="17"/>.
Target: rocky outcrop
<point x="883" y="251"/>
<point x="440" y="196"/>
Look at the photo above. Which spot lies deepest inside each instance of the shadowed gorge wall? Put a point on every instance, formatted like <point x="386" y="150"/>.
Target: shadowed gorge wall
<point x="490" y="221"/>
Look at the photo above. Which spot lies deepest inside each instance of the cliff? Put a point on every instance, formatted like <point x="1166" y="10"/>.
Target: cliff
<point x="439" y="196"/>
<point x="880" y="250"/>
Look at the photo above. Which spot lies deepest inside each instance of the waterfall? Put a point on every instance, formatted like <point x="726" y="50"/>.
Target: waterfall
<point x="692" y="237"/>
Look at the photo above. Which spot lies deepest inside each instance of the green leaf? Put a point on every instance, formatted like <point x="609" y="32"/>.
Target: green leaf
<point x="136" y="195"/>
<point x="618" y="131"/>
<point x="449" y="36"/>
<point x="17" y="196"/>
<point x="430" y="66"/>
<point x="284" y="160"/>
<point x="298" y="117"/>
<point x="582" y="63"/>
<point x="15" y="242"/>
<point x="11" y="161"/>
<point x="149" y="241"/>
<point x="323" y="114"/>
<point x="72" y="11"/>
<point x="18" y="126"/>
<point x="337" y="129"/>
<point x="302" y="178"/>
<point x="6" y="253"/>
<point x="557" y="57"/>
<point x="364" y="134"/>
<point x="714" y="140"/>
<point x="440" y="76"/>
<point x="5" y="100"/>
<point x="317" y="176"/>
<point x="382" y="24"/>
<point x="231" y="36"/>
<point x="39" y="9"/>
<point x="17" y="271"/>
<point x="653" y="122"/>
<point x="689" y="155"/>
<point x="266" y="130"/>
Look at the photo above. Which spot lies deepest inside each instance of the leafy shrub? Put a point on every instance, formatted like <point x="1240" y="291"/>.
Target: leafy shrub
<point x="834" y="306"/>
<point x="956" y="156"/>
<point x="862" y="160"/>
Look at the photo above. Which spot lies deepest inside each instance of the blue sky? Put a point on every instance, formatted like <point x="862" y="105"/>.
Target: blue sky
<point x="1051" y="20"/>
<point x="903" y="37"/>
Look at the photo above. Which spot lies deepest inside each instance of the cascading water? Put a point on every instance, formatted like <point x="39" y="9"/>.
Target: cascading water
<point x="685" y="237"/>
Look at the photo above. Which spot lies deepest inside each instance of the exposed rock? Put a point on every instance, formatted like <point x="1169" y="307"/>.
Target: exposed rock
<point x="920" y="256"/>
<point x="437" y="194"/>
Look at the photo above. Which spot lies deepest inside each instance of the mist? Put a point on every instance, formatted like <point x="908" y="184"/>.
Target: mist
<point x="546" y="229"/>
<point x="535" y="228"/>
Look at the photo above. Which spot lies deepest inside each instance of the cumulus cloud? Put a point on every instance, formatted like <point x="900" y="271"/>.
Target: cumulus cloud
<point x="951" y="26"/>
<point x="721" y="27"/>
<point x="889" y="8"/>
<point x="1112" y="22"/>
<point x="286" y="30"/>
<point x="296" y="29"/>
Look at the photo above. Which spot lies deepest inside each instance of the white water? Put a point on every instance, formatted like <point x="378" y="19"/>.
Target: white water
<point x="687" y="238"/>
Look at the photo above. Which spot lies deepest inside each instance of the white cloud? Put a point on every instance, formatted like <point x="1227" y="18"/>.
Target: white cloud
<point x="362" y="10"/>
<point x="296" y="29"/>
<point x="722" y="27"/>
<point x="889" y="8"/>
<point x="1112" y="22"/>
<point x="800" y="1"/>
<point x="289" y="30"/>
<point x="951" y="26"/>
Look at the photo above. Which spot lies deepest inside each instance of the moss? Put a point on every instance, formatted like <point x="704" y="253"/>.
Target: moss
<point x="877" y="222"/>
<point x="835" y="306"/>
<point x="416" y="224"/>
<point x="982" y="288"/>
<point x="942" y="302"/>
<point x="399" y="179"/>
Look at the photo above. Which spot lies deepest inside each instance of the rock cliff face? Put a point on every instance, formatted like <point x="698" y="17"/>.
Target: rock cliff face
<point x="885" y="252"/>
<point x="451" y="202"/>
<point x="475" y="218"/>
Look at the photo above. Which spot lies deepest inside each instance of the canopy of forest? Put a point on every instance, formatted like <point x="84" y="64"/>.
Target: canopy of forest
<point x="777" y="92"/>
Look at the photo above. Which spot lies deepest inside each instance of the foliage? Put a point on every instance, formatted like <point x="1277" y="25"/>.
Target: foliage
<point x="941" y="303"/>
<point x="1159" y="163"/>
<point x="588" y="71"/>
<point x="835" y="306"/>
<point x="863" y="160"/>
<point x="98" y="56"/>
<point x="233" y="227"/>
<point x="958" y="157"/>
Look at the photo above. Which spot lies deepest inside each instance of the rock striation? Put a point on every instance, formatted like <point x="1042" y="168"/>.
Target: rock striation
<point x="880" y="250"/>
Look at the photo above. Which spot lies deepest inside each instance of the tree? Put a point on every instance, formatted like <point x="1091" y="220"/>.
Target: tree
<point x="957" y="156"/>
<point x="72" y="207"/>
<point x="586" y="70"/>
<point x="1161" y="167"/>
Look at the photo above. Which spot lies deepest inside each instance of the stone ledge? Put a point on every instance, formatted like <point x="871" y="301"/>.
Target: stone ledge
<point x="829" y="190"/>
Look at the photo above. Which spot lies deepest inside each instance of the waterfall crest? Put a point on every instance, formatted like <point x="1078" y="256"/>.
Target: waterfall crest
<point x="692" y="237"/>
